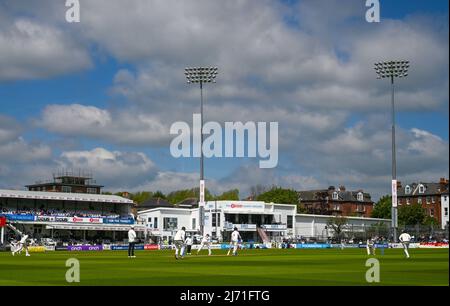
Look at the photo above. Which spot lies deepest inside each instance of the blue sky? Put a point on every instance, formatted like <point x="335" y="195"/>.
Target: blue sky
<point x="103" y="75"/>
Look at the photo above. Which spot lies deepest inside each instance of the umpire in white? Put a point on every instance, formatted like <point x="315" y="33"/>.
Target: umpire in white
<point x="131" y="242"/>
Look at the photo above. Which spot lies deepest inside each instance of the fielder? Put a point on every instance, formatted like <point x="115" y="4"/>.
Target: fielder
<point x="188" y="244"/>
<point x="234" y="244"/>
<point x="405" y="239"/>
<point x="179" y="241"/>
<point x="370" y="247"/>
<point x="206" y="241"/>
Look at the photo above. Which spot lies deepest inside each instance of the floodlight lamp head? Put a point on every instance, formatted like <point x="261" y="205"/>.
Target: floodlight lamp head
<point x="392" y="69"/>
<point x="201" y="74"/>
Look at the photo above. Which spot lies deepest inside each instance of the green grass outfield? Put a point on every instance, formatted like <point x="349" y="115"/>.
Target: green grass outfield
<point x="252" y="267"/>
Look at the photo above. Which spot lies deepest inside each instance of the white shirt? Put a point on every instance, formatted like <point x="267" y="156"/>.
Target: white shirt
<point x="188" y="241"/>
<point x="131" y="236"/>
<point x="405" y="237"/>
<point x="235" y="236"/>
<point x="180" y="235"/>
<point x="206" y="239"/>
<point x="24" y="239"/>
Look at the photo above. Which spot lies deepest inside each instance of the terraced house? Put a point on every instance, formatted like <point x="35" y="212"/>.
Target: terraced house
<point x="432" y="196"/>
<point x="337" y="202"/>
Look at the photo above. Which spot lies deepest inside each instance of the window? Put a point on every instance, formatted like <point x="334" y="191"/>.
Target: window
<point x="360" y="197"/>
<point x="155" y="223"/>
<point x="290" y="221"/>
<point x="335" y="196"/>
<point x="408" y="201"/>
<point x="408" y="189"/>
<point x="432" y="212"/>
<point x="149" y="220"/>
<point x="419" y="200"/>
<point x="215" y="219"/>
<point x="428" y="200"/>
<point x="433" y="200"/>
<point x="92" y="190"/>
<point x="421" y="189"/>
<point x="194" y="223"/>
<point x="170" y="223"/>
<point x="446" y="211"/>
<point x="66" y="189"/>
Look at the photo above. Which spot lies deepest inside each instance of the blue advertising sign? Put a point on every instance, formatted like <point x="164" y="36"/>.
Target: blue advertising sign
<point x="313" y="246"/>
<point x="118" y="221"/>
<point x="20" y="217"/>
<point x="125" y="247"/>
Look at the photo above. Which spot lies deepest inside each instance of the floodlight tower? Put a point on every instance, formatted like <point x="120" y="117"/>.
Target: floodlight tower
<point x="392" y="70"/>
<point x="201" y="75"/>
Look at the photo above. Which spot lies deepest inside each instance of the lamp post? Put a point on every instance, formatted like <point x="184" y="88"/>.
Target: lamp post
<point x="201" y="75"/>
<point x="392" y="70"/>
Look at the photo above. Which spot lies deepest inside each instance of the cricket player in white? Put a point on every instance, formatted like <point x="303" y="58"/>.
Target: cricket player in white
<point x="235" y="238"/>
<point x="206" y="241"/>
<point x="405" y="239"/>
<point x="179" y="241"/>
<point x="370" y="247"/>
<point x="22" y="244"/>
<point x="188" y="244"/>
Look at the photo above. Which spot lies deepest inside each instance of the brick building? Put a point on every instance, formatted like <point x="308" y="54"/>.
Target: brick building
<point x="433" y="197"/>
<point x="337" y="202"/>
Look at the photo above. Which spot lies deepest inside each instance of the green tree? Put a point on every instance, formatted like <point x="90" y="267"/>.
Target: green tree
<point x="181" y="195"/>
<point x="382" y="208"/>
<point x="141" y="197"/>
<point x="411" y="214"/>
<point x="159" y="194"/>
<point x="279" y="195"/>
<point x="230" y="195"/>
<point x="338" y="224"/>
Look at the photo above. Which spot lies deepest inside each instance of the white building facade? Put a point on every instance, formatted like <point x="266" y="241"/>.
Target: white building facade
<point x="256" y="221"/>
<point x="444" y="210"/>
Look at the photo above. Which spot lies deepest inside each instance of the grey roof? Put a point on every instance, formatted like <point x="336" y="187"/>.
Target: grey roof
<point x="431" y="189"/>
<point x="154" y="203"/>
<point x="58" y="196"/>
<point x="343" y="196"/>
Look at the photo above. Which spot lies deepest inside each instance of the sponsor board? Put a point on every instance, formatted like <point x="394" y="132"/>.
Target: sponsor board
<point x="434" y="245"/>
<point x="237" y="206"/>
<point x="50" y="248"/>
<point x="20" y="217"/>
<point x="376" y="245"/>
<point x="79" y="248"/>
<point x="85" y="220"/>
<point x="36" y="249"/>
<point x="400" y="246"/>
<point x="125" y="247"/>
<point x="45" y="219"/>
<point x="61" y="248"/>
<point x="312" y="246"/>
<point x="2" y="221"/>
<point x="151" y="247"/>
<point x="346" y="246"/>
<point x="106" y="247"/>
<point x="166" y="247"/>
<point x="118" y="221"/>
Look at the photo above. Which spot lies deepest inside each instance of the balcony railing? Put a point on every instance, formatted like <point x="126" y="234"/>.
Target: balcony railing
<point x="240" y="227"/>
<point x="274" y="227"/>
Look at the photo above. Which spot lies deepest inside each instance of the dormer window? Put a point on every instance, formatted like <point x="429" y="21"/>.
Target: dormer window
<point x="335" y="196"/>
<point x="408" y="189"/>
<point x="421" y="189"/>
<point x="360" y="197"/>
